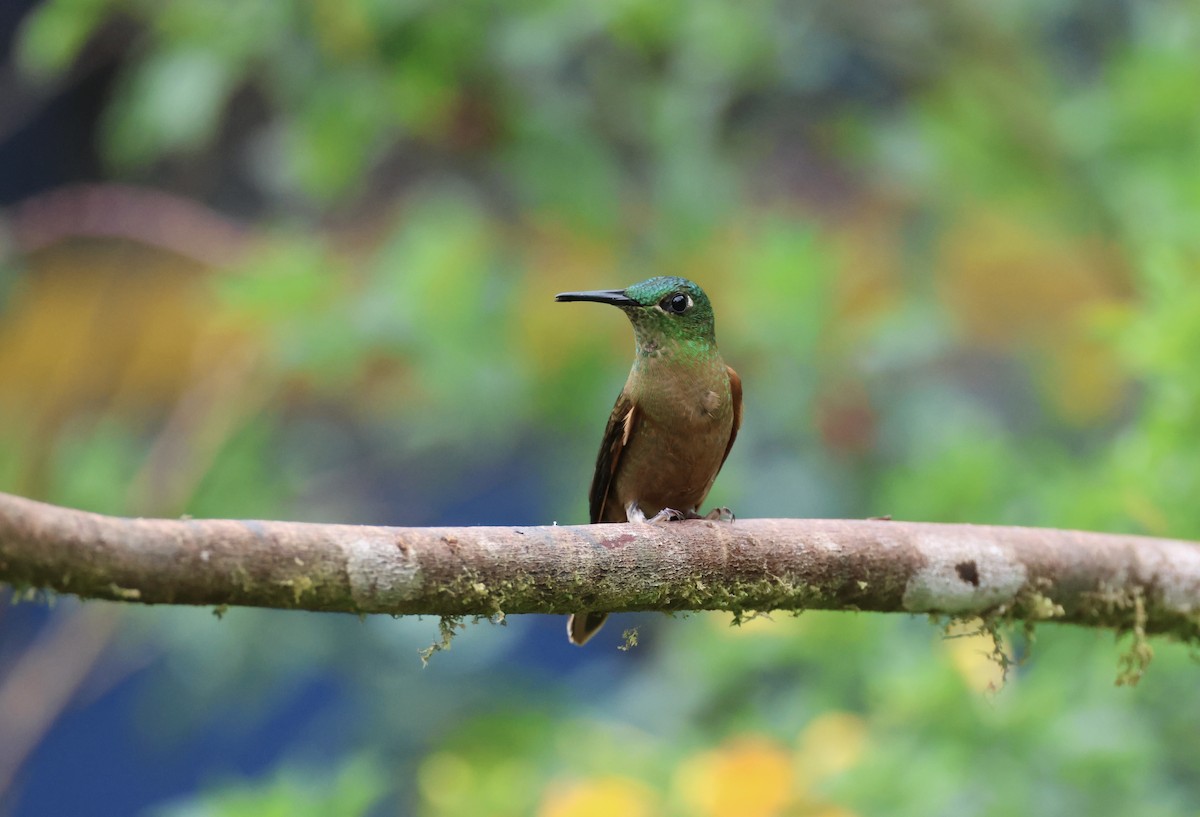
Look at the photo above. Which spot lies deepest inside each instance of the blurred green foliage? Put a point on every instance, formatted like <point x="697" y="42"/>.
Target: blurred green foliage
<point x="953" y="250"/>
<point x="357" y="786"/>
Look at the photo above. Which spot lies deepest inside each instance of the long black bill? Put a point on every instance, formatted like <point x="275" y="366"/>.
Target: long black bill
<point x="616" y="297"/>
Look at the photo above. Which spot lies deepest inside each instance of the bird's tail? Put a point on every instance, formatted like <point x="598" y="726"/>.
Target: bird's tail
<point x="582" y="626"/>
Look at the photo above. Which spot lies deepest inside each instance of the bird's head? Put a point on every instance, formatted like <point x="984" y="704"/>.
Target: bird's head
<point x="664" y="310"/>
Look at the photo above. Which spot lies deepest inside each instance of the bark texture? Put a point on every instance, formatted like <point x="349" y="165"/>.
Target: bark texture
<point x="1125" y="582"/>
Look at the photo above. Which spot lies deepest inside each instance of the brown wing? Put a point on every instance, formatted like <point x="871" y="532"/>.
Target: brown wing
<point x="616" y="437"/>
<point x="735" y="391"/>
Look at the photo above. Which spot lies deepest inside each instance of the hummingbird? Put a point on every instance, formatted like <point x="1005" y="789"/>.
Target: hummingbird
<point x="674" y="422"/>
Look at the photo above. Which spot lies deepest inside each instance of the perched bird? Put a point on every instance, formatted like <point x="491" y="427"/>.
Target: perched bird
<point x="675" y="420"/>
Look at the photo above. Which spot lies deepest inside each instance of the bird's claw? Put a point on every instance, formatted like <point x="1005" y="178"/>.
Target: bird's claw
<point x="667" y="515"/>
<point x="634" y="514"/>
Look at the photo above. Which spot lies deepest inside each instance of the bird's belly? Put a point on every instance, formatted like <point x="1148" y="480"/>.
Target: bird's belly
<point x="672" y="465"/>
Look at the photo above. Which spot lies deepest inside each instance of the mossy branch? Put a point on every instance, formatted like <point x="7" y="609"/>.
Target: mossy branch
<point x="1030" y="574"/>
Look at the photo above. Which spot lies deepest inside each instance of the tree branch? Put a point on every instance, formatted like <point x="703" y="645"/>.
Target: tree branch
<point x="1125" y="582"/>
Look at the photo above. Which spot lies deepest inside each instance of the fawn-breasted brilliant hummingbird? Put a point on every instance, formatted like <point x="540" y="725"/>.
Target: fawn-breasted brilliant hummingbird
<point x="674" y="422"/>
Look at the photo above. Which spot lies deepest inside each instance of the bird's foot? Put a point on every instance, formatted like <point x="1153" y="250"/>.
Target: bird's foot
<point x="634" y="514"/>
<point x="667" y="515"/>
<point x="719" y="514"/>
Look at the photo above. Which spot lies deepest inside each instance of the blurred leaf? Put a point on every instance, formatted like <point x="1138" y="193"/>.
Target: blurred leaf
<point x="54" y="33"/>
<point x="338" y="134"/>
<point x="172" y="103"/>
<point x="350" y="791"/>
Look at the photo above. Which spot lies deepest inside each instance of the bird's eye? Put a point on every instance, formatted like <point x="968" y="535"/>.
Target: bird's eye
<point x="677" y="303"/>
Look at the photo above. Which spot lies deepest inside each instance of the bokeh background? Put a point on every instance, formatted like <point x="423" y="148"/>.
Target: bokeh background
<point x="276" y="259"/>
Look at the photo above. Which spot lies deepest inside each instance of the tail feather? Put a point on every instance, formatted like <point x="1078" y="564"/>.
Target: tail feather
<point x="582" y="626"/>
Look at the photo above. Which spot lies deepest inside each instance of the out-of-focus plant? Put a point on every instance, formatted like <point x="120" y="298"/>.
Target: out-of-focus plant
<point x="351" y="790"/>
<point x="820" y="715"/>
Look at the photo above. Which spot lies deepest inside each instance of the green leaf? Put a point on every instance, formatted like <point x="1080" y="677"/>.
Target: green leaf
<point x="172" y="102"/>
<point x="54" y="34"/>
